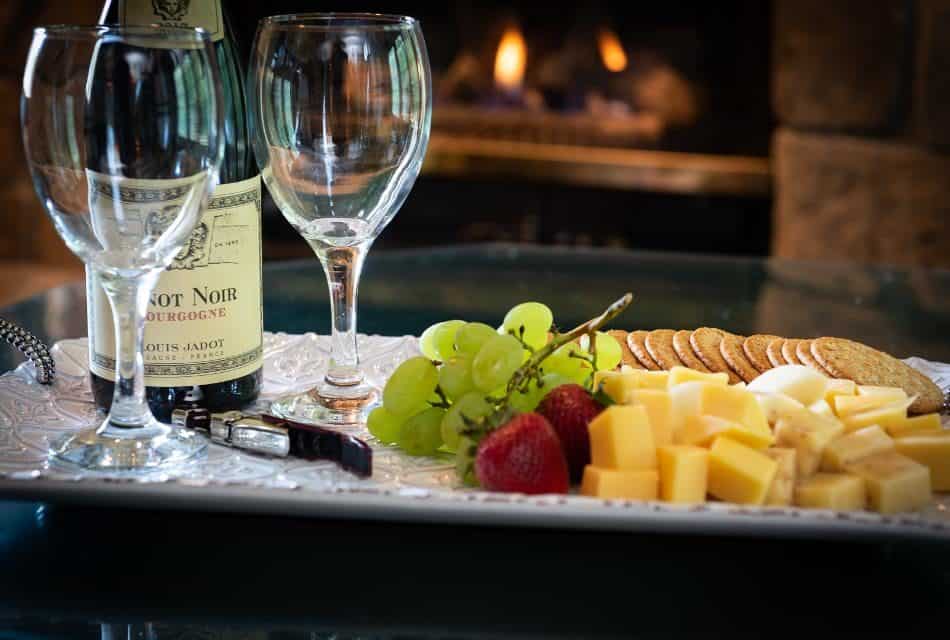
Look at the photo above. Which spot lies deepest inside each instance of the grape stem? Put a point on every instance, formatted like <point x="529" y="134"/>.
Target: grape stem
<point x="530" y="369"/>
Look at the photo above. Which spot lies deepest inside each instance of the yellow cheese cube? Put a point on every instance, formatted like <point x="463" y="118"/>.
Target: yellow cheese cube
<point x="839" y="491"/>
<point x="621" y="438"/>
<point x="893" y="394"/>
<point x="932" y="450"/>
<point x="738" y="473"/>
<point x="686" y="399"/>
<point x="913" y="425"/>
<point x="850" y="405"/>
<point x="885" y="417"/>
<point x="778" y="405"/>
<point x="809" y="434"/>
<point x="621" y="386"/>
<point x="659" y="408"/>
<point x="894" y="482"/>
<point x="851" y="447"/>
<point x="683" y="472"/>
<point x="679" y="375"/>
<point x="839" y="387"/>
<point x="626" y="485"/>
<point x="782" y="490"/>
<point x="701" y="430"/>
<point x="737" y="405"/>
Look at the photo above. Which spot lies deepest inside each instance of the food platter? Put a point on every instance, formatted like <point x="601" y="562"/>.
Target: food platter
<point x="402" y="488"/>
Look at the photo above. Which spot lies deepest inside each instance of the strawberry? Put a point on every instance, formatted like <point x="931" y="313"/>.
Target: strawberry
<point x="570" y="408"/>
<point x="524" y="455"/>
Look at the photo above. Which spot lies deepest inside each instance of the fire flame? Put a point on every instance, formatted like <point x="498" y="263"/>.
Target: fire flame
<point x="611" y="51"/>
<point x="510" y="60"/>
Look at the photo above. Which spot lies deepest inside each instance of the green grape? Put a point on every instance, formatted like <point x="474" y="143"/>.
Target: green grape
<point x="535" y="318"/>
<point x="410" y="386"/>
<point x="384" y="425"/>
<point x="609" y="353"/>
<point x="444" y="338"/>
<point x="455" y="376"/>
<point x="427" y="342"/>
<point x="498" y="358"/>
<point x="561" y="362"/>
<point x="472" y="406"/>
<point x="527" y="400"/>
<point x="421" y="434"/>
<point x="471" y="336"/>
<point x="465" y="461"/>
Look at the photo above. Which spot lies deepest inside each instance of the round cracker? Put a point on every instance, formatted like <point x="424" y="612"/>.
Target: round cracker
<point x="774" y="352"/>
<point x="628" y="358"/>
<point x="754" y="348"/>
<point x="803" y="351"/>
<point x="685" y="351"/>
<point x="731" y="350"/>
<point x="866" y="365"/>
<point x="635" y="341"/>
<point x="788" y="351"/>
<point x="705" y="342"/>
<point x="659" y="344"/>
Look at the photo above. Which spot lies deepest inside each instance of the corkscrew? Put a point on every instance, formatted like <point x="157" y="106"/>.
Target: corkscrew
<point x="32" y="348"/>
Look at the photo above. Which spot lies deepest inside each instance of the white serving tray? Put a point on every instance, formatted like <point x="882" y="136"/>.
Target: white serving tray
<point x="402" y="488"/>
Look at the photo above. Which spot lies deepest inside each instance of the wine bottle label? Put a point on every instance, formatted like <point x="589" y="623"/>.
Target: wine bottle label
<point x="204" y="322"/>
<point x="175" y="13"/>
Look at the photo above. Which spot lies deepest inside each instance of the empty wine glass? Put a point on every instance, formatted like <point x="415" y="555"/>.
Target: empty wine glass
<point x="340" y="109"/>
<point x="121" y="127"/>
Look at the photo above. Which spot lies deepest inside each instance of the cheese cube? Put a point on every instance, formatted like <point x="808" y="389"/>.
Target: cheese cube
<point x="686" y="399"/>
<point x="932" y="450"/>
<point x="683" y="472"/>
<point x="621" y="438"/>
<point x="839" y="387"/>
<point x="700" y="431"/>
<point x="737" y="405"/>
<point x="894" y="482"/>
<point x="885" y="417"/>
<point x="679" y="375"/>
<point x="892" y="394"/>
<point x="851" y="447"/>
<point x="626" y="485"/>
<point x="838" y="491"/>
<point x="738" y="473"/>
<point x="778" y="405"/>
<point x="621" y="386"/>
<point x="822" y="408"/>
<point x="782" y="490"/>
<point x="850" y="405"/>
<point x="659" y="408"/>
<point x="809" y="434"/>
<point x="798" y="381"/>
<point x="913" y="425"/>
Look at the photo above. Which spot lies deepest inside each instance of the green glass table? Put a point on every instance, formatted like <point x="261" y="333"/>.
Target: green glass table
<point x="69" y="571"/>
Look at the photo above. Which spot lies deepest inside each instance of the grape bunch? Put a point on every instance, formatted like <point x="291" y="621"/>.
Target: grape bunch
<point x="469" y="370"/>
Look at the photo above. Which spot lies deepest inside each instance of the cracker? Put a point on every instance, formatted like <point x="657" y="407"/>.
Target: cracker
<point x="628" y="358"/>
<point x="866" y="365"/>
<point x="754" y="347"/>
<point x="685" y="351"/>
<point x="659" y="344"/>
<point x="774" y="352"/>
<point x="635" y="341"/>
<point x="788" y="351"/>
<point x="705" y="342"/>
<point x="803" y="351"/>
<point x="731" y="350"/>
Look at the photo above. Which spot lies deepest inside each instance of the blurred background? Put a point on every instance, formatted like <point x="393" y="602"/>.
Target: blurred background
<point x="814" y="129"/>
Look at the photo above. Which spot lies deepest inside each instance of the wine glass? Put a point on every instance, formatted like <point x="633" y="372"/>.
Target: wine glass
<point x="121" y="128"/>
<point x="340" y="111"/>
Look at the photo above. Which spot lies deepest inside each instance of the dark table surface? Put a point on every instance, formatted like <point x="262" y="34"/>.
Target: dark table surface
<point x="83" y="572"/>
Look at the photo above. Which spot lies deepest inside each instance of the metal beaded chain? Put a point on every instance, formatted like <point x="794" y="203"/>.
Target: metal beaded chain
<point x="31" y="347"/>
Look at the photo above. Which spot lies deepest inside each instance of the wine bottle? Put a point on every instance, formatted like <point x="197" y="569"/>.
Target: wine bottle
<point x="204" y="325"/>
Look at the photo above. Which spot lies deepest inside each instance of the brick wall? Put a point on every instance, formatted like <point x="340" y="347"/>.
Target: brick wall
<point x="861" y="91"/>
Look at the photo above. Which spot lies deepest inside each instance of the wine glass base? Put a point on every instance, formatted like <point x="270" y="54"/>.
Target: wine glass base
<point x="154" y="447"/>
<point x="329" y="406"/>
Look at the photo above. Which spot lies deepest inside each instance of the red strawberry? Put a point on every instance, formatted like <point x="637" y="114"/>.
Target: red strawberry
<point x="523" y="455"/>
<point x="570" y="408"/>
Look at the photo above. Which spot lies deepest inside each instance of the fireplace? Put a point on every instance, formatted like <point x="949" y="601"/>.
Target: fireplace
<point x="608" y="123"/>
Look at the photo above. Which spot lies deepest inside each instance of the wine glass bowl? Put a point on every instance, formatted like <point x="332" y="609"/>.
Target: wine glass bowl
<point x="340" y="110"/>
<point x="121" y="128"/>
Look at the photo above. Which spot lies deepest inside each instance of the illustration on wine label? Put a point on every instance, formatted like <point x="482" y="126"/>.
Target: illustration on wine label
<point x="170" y="9"/>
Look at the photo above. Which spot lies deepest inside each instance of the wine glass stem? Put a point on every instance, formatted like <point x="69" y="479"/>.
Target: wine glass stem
<point x="343" y="266"/>
<point x="129" y="300"/>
